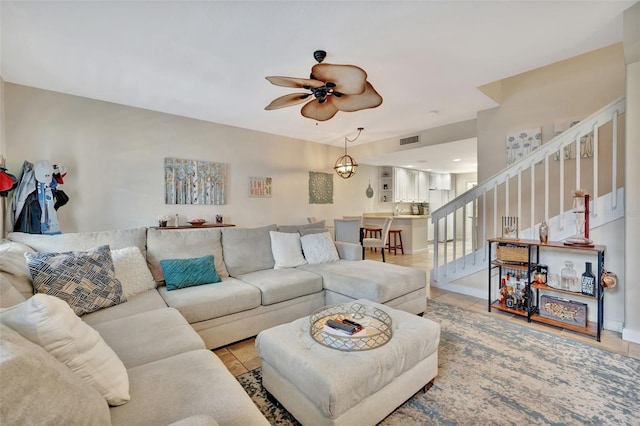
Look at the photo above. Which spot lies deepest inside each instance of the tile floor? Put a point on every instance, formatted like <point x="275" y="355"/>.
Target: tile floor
<point x="241" y="357"/>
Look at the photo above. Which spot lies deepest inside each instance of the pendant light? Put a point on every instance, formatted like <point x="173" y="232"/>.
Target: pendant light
<point x="346" y="165"/>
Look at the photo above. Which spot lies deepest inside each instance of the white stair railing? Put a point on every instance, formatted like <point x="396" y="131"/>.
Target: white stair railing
<point x="487" y="202"/>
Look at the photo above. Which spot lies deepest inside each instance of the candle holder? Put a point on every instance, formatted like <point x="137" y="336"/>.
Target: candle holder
<point x="581" y="210"/>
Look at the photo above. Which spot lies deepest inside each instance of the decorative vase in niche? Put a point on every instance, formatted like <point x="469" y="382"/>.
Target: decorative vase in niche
<point x="588" y="281"/>
<point x="544" y="232"/>
<point x="569" y="277"/>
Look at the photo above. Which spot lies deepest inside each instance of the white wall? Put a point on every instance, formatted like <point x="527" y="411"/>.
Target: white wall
<point x="115" y="154"/>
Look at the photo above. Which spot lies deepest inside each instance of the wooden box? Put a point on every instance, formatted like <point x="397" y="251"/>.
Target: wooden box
<point x="563" y="310"/>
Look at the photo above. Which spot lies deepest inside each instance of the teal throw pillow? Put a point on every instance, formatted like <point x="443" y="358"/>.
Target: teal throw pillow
<point x="181" y="273"/>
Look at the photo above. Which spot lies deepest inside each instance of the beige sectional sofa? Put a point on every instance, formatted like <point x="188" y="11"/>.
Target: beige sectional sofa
<point x="161" y="336"/>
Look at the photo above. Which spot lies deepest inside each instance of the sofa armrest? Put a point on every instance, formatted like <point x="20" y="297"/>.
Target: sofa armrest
<point x="349" y="251"/>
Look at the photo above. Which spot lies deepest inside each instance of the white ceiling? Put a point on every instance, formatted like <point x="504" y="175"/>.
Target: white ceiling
<point x="208" y="60"/>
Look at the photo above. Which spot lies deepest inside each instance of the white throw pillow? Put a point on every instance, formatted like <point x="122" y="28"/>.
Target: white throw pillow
<point x="286" y="249"/>
<point x="132" y="271"/>
<point x="319" y="248"/>
<point x="51" y="323"/>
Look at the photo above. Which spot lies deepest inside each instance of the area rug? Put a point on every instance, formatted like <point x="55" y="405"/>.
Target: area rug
<point x="495" y="371"/>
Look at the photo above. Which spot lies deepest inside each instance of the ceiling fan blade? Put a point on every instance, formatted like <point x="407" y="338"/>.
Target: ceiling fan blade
<point x="349" y="103"/>
<point x="349" y="79"/>
<point x="299" y="83"/>
<point x="319" y="111"/>
<point x="288" y="100"/>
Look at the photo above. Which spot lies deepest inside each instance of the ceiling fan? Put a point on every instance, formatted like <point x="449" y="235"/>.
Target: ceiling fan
<point x="331" y="87"/>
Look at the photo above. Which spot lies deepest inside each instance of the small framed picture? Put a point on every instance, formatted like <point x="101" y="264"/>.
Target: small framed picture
<point x="260" y="186"/>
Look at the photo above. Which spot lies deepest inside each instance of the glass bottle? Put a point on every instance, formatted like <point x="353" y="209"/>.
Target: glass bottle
<point x="588" y="281"/>
<point x="544" y="232"/>
<point x="569" y="277"/>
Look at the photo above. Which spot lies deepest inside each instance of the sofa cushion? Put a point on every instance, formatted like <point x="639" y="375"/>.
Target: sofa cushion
<point x="50" y="323"/>
<point x="278" y="285"/>
<point x="149" y="336"/>
<point x="286" y="249"/>
<point x="13" y="266"/>
<point x="212" y="301"/>
<point x="368" y="279"/>
<point x="183" y="244"/>
<point x="143" y="302"/>
<point x="120" y="238"/>
<point x="38" y="389"/>
<point x="132" y="271"/>
<point x="247" y="249"/>
<point x="182" y="273"/>
<point x="298" y="228"/>
<point x="86" y="280"/>
<point x="319" y="248"/>
<point x="184" y="385"/>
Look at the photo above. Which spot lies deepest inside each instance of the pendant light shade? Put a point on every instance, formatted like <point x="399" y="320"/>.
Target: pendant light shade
<point x="346" y="165"/>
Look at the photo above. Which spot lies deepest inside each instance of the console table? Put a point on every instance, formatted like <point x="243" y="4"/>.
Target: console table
<point x="206" y="225"/>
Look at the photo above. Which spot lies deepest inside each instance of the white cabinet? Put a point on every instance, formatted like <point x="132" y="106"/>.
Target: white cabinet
<point x="423" y="186"/>
<point x="385" y="184"/>
<point x="440" y="181"/>
<point x="410" y="186"/>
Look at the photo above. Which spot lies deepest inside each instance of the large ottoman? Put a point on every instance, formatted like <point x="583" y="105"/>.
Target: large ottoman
<point x="320" y="385"/>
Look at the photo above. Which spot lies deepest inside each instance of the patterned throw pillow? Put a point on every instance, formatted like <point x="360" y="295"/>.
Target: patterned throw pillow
<point x="85" y="280"/>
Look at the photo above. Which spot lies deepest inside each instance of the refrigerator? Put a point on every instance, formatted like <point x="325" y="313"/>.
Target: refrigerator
<point x="437" y="199"/>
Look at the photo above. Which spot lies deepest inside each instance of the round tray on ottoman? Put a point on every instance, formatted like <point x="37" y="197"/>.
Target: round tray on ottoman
<point x="375" y="333"/>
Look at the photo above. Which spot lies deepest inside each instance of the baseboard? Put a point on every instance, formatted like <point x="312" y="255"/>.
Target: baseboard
<point x="616" y="326"/>
<point x="631" y="335"/>
<point x="456" y="288"/>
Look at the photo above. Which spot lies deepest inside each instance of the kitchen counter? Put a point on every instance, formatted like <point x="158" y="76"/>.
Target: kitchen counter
<point x="414" y="229"/>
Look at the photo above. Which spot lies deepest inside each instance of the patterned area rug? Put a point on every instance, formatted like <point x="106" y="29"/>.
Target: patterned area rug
<point x="494" y="371"/>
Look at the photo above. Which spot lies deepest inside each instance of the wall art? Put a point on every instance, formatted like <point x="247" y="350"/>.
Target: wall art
<point x="320" y="188"/>
<point x="586" y="142"/>
<point x="194" y="182"/>
<point x="260" y="186"/>
<point x="521" y="143"/>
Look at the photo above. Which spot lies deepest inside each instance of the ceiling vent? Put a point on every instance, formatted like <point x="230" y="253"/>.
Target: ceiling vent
<point x="410" y="140"/>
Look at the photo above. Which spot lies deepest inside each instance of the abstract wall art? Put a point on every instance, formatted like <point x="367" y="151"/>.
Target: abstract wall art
<point x="320" y="188"/>
<point x="194" y="182"/>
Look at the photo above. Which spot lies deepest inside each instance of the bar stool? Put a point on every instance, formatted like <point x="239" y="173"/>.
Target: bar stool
<point x="397" y="235"/>
<point x="372" y="232"/>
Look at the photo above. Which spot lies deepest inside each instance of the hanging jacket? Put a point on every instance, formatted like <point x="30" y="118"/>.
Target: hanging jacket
<point x="26" y="186"/>
<point x="29" y="219"/>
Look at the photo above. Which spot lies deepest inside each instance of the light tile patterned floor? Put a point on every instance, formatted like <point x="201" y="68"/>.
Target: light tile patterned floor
<point x="241" y="357"/>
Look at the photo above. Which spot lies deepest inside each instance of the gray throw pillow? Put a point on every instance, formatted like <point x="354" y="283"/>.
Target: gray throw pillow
<point x="247" y="249"/>
<point x="86" y="280"/>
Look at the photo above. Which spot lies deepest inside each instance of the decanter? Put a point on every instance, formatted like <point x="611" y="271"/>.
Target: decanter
<point x="569" y="277"/>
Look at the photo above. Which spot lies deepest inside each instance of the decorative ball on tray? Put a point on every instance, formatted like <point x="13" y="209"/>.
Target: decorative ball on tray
<point x="197" y="222"/>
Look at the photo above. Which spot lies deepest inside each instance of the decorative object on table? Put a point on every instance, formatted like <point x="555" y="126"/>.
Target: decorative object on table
<point x="162" y="220"/>
<point x="588" y="282"/>
<point x="176" y="221"/>
<point x="608" y="279"/>
<point x="197" y="222"/>
<point x="333" y="87"/>
<point x="586" y="142"/>
<point x="346" y="165"/>
<point x="540" y="276"/>
<point x="553" y="281"/>
<point x="510" y="227"/>
<point x="581" y="210"/>
<point x="563" y="310"/>
<point x="219" y="218"/>
<point x="544" y="232"/>
<point x="320" y="188"/>
<point x="369" y="190"/>
<point x="377" y="327"/>
<point x="569" y="278"/>
<point x="194" y="182"/>
<point x="521" y="143"/>
<point x="512" y="253"/>
<point x="260" y="186"/>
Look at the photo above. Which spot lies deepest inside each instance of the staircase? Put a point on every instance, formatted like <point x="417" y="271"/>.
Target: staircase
<point x="540" y="186"/>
